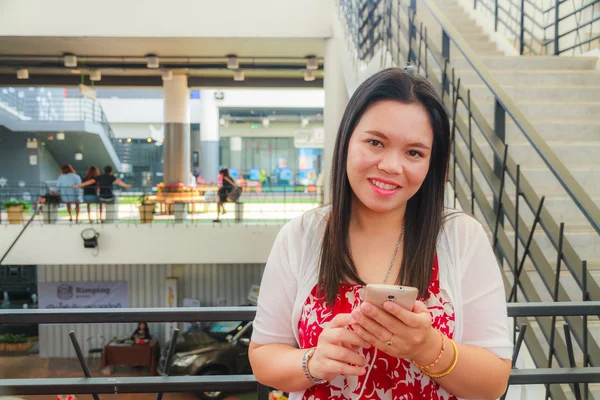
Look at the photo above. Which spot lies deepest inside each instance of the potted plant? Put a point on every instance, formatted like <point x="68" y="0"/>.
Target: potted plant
<point x="16" y="342"/>
<point x="2" y="343"/>
<point x="50" y="202"/>
<point x="146" y="207"/>
<point x="15" y="210"/>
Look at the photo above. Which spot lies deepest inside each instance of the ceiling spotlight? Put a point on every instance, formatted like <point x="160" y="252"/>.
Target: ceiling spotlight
<point x="167" y="75"/>
<point x="304" y="122"/>
<point x="23" y="73"/>
<point x="232" y="62"/>
<point x="266" y="122"/>
<point x="239" y="75"/>
<point x="70" y="60"/>
<point x="60" y="136"/>
<point x="78" y="156"/>
<point x="95" y="75"/>
<point x="309" y="76"/>
<point x="120" y="140"/>
<point x="128" y="140"/>
<point x="149" y="140"/>
<point x="152" y="61"/>
<point x="312" y="63"/>
<point x="32" y="143"/>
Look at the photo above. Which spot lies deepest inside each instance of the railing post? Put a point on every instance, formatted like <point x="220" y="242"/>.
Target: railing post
<point x="412" y="13"/>
<point x="445" y="45"/>
<point x="556" y="20"/>
<point x="500" y="130"/>
<point x="495" y="15"/>
<point x="522" y="29"/>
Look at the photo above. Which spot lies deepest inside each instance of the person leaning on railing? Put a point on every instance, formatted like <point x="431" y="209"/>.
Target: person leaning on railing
<point x="105" y="183"/>
<point x="315" y="337"/>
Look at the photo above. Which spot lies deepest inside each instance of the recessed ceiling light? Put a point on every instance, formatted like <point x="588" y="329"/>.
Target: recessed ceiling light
<point x="239" y="76"/>
<point x="232" y="62"/>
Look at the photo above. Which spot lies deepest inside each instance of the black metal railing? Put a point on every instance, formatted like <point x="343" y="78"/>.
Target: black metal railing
<point x="515" y="207"/>
<point x="29" y="105"/>
<point x="566" y="26"/>
<point x="193" y="204"/>
<point x="165" y="384"/>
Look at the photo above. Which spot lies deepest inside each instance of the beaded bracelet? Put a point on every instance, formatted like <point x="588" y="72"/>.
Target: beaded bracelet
<point x="439" y="357"/>
<point x="450" y="368"/>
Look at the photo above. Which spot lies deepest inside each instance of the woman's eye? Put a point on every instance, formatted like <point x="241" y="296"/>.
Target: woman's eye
<point x="414" y="153"/>
<point x="375" y="143"/>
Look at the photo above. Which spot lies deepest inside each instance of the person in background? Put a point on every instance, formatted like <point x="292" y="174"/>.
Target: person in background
<point x="105" y="184"/>
<point x="141" y="334"/>
<point x="90" y="193"/>
<point x="66" y="186"/>
<point x="223" y="192"/>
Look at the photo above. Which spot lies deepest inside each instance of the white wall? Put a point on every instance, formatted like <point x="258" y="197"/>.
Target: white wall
<point x="139" y="244"/>
<point x="156" y="18"/>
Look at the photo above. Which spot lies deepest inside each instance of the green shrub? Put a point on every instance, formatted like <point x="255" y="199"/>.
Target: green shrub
<point x="13" y="338"/>
<point x="12" y="203"/>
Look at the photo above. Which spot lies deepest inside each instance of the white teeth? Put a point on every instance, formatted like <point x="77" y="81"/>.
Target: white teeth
<point x="383" y="186"/>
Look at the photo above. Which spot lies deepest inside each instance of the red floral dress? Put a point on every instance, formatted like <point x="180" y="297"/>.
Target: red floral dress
<point x="390" y="378"/>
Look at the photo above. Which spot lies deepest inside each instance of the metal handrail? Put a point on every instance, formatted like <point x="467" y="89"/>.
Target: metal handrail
<point x="587" y="206"/>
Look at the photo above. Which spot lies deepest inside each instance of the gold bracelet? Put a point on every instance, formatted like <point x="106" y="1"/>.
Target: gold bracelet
<point x="450" y="368"/>
<point x="439" y="357"/>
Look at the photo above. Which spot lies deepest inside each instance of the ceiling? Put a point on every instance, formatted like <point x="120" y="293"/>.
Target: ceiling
<point x="270" y="62"/>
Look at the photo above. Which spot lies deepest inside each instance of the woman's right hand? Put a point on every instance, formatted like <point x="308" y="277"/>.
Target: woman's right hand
<point x="337" y="351"/>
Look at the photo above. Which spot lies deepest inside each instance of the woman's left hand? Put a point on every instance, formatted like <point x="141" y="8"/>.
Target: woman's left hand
<point x="398" y="332"/>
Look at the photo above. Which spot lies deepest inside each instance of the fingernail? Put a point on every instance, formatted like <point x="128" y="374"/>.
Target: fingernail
<point x="388" y="305"/>
<point x="367" y="307"/>
<point x="363" y="371"/>
<point x="356" y="315"/>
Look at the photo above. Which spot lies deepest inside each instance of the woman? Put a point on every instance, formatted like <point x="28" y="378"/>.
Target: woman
<point x="227" y="187"/>
<point x="386" y="224"/>
<point x="105" y="183"/>
<point x="66" y="186"/>
<point x="141" y="334"/>
<point x="90" y="193"/>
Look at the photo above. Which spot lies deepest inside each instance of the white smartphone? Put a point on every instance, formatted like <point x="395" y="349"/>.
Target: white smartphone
<point x="404" y="296"/>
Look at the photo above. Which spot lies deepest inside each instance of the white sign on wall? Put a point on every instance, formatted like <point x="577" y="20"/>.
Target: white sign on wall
<point x="314" y="139"/>
<point x="108" y="294"/>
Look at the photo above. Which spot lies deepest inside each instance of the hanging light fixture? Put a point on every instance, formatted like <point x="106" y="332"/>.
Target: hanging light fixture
<point x="239" y="76"/>
<point x="167" y="75"/>
<point x="309" y="76"/>
<point x="152" y="61"/>
<point x="23" y="73"/>
<point x="78" y="156"/>
<point x="312" y="63"/>
<point x="60" y="136"/>
<point x="304" y="122"/>
<point x="95" y="75"/>
<point x="70" y="60"/>
<point x="266" y="122"/>
<point x="232" y="62"/>
<point x="32" y="143"/>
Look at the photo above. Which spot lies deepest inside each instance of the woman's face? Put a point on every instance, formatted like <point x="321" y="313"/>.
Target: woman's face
<point x="142" y="326"/>
<point x="389" y="154"/>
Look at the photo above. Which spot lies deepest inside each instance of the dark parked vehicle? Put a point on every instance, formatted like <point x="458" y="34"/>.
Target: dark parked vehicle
<point x="220" y="349"/>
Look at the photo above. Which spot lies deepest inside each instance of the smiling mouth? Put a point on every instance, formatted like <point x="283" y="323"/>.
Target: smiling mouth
<point x="384" y="186"/>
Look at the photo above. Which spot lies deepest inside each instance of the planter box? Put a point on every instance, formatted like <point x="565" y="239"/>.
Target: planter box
<point x="15" y="214"/>
<point x="146" y="213"/>
<point x="2" y="346"/>
<point x="17" y="346"/>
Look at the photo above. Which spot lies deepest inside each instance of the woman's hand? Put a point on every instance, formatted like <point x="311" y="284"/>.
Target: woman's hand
<point x="76" y="187"/>
<point x="337" y="351"/>
<point x="410" y="332"/>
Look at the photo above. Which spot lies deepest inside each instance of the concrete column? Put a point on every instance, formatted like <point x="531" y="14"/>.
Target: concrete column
<point x="177" y="130"/>
<point x="209" y="135"/>
<point x="336" y="99"/>
<point x="235" y="154"/>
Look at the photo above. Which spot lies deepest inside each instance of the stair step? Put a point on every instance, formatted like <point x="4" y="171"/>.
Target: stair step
<point x="557" y="130"/>
<point x="529" y="62"/>
<point x="478" y="46"/>
<point x="544" y="182"/>
<point x="588" y="111"/>
<point x="537" y="92"/>
<point x="586" y="243"/>
<point x="539" y="77"/>
<point x="571" y="154"/>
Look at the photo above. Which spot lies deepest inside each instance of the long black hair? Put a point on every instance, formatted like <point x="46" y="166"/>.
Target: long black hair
<point x="424" y="211"/>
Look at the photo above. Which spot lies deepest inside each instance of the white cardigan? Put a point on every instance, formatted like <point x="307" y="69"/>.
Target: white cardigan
<point x="469" y="274"/>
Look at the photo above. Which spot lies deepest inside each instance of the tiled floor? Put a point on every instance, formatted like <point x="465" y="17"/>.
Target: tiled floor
<point x="32" y="366"/>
